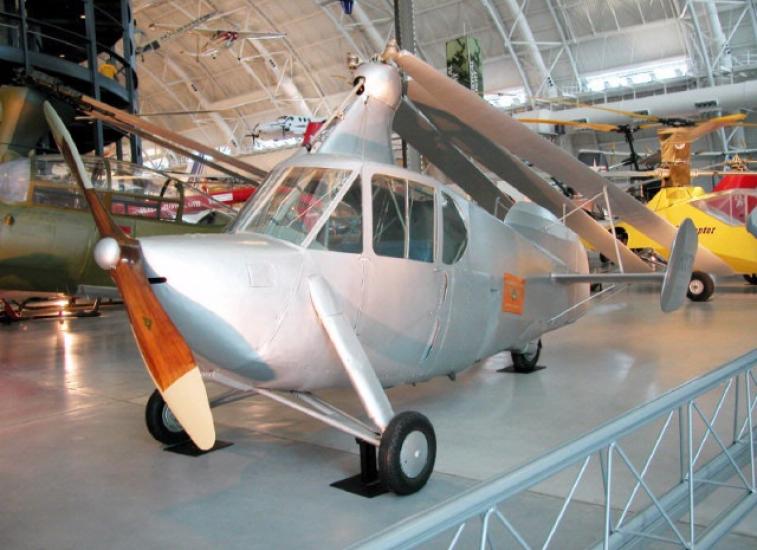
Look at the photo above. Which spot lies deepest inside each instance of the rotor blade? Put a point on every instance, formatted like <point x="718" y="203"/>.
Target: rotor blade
<point x="421" y="134"/>
<point x="479" y="117"/>
<point x="576" y="103"/>
<point x="659" y="173"/>
<point x="525" y="180"/>
<point x="693" y="133"/>
<point x="588" y="125"/>
<point x="167" y="356"/>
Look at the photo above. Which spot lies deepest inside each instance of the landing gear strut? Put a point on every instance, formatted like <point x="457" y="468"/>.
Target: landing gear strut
<point x="526" y="360"/>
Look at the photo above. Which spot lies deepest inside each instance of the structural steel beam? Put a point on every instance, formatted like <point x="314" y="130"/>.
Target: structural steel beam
<point x="500" y="26"/>
<point x="546" y="83"/>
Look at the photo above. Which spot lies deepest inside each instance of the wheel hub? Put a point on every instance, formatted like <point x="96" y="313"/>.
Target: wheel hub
<point x="414" y="454"/>
<point x="696" y="286"/>
<point x="169" y="420"/>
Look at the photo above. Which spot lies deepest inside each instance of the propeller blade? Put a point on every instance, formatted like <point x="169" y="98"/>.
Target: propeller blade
<point x="167" y="357"/>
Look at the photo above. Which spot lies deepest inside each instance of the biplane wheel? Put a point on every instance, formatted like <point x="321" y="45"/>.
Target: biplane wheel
<point x="701" y="287"/>
<point x="751" y="279"/>
<point x="407" y="453"/>
<point x="161" y="423"/>
<point x="526" y="362"/>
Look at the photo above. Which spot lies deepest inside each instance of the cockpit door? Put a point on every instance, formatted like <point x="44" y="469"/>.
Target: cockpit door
<point x="403" y="287"/>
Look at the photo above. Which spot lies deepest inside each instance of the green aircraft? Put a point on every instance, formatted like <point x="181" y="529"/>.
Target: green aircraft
<point x="47" y="234"/>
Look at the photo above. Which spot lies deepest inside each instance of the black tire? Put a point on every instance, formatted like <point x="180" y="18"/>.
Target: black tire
<point x="701" y="287"/>
<point x="526" y="362"/>
<point x="751" y="279"/>
<point x="161" y="423"/>
<point x="406" y="472"/>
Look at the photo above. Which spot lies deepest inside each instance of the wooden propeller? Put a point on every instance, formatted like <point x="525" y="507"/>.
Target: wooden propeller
<point x="167" y="357"/>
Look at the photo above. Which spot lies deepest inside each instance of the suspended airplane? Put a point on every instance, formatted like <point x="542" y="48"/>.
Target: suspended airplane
<point x="216" y="39"/>
<point x="348" y="270"/>
<point x="347" y="5"/>
<point x="285" y="126"/>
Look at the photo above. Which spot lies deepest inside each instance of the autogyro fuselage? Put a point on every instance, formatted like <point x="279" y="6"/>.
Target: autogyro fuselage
<point x="418" y="270"/>
<point x="428" y="281"/>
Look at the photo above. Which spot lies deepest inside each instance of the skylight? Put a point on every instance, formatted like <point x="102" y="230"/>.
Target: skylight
<point x="509" y="97"/>
<point x="640" y="74"/>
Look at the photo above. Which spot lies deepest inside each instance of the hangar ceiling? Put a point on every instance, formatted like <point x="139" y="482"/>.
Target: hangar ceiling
<point x="596" y="49"/>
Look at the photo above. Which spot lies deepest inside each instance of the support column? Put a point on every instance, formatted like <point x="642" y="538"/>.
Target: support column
<point x="90" y="29"/>
<point x="127" y="40"/>
<point x="404" y="32"/>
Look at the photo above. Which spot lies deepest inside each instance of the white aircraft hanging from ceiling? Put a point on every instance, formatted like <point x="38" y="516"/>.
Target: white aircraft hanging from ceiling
<point x="216" y="40"/>
<point x="285" y="126"/>
<point x="346" y="270"/>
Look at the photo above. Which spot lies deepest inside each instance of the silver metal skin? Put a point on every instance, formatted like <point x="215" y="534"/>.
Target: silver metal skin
<point x="107" y="253"/>
<point x="282" y="315"/>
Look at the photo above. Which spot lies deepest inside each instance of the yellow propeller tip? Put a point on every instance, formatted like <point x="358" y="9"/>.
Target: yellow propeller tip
<point x="188" y="401"/>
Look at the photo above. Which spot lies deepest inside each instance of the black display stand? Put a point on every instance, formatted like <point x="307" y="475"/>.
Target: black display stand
<point x="368" y="482"/>
<point x="188" y="448"/>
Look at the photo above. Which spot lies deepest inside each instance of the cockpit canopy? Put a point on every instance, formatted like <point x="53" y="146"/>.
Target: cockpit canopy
<point x="131" y="190"/>
<point x="322" y="209"/>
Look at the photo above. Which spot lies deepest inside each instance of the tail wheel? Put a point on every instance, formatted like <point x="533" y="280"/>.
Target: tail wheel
<point x="161" y="423"/>
<point x="751" y="279"/>
<point x="701" y="287"/>
<point x="526" y="361"/>
<point x="407" y="453"/>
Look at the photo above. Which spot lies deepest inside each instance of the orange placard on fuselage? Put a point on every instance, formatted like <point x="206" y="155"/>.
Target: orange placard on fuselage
<point x="513" y="294"/>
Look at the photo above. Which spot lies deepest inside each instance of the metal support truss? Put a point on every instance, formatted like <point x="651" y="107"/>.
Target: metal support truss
<point x="546" y="83"/>
<point x="565" y="46"/>
<point x="241" y="388"/>
<point x="672" y="516"/>
<point x="499" y="24"/>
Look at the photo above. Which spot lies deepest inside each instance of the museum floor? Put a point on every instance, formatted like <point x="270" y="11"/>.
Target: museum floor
<point x="79" y="470"/>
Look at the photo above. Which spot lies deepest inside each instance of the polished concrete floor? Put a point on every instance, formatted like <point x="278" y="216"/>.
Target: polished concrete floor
<point x="79" y="470"/>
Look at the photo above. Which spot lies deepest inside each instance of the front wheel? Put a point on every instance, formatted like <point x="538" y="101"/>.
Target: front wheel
<point x="701" y="287"/>
<point x="526" y="361"/>
<point x="407" y="453"/>
<point x="161" y="423"/>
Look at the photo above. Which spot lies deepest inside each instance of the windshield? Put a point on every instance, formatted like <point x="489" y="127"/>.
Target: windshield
<point x="14" y="181"/>
<point x="732" y="207"/>
<point x="291" y="202"/>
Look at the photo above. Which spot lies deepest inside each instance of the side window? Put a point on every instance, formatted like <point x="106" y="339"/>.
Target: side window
<point x="421" y="207"/>
<point x="455" y="235"/>
<point x="343" y="231"/>
<point x="403" y="219"/>
<point x="389" y="218"/>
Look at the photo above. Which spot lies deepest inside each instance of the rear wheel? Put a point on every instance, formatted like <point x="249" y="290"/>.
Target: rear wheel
<point x="161" y="423"/>
<point x="701" y="287"/>
<point x="751" y="279"/>
<point x="526" y="361"/>
<point x="407" y="453"/>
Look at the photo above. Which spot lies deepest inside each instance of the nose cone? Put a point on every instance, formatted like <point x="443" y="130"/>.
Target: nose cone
<point x="225" y="293"/>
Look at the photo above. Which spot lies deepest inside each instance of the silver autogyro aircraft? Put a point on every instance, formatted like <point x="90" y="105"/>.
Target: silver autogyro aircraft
<point x="348" y="270"/>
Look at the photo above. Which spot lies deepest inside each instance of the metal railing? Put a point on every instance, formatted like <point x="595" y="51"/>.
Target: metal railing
<point x="675" y="512"/>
